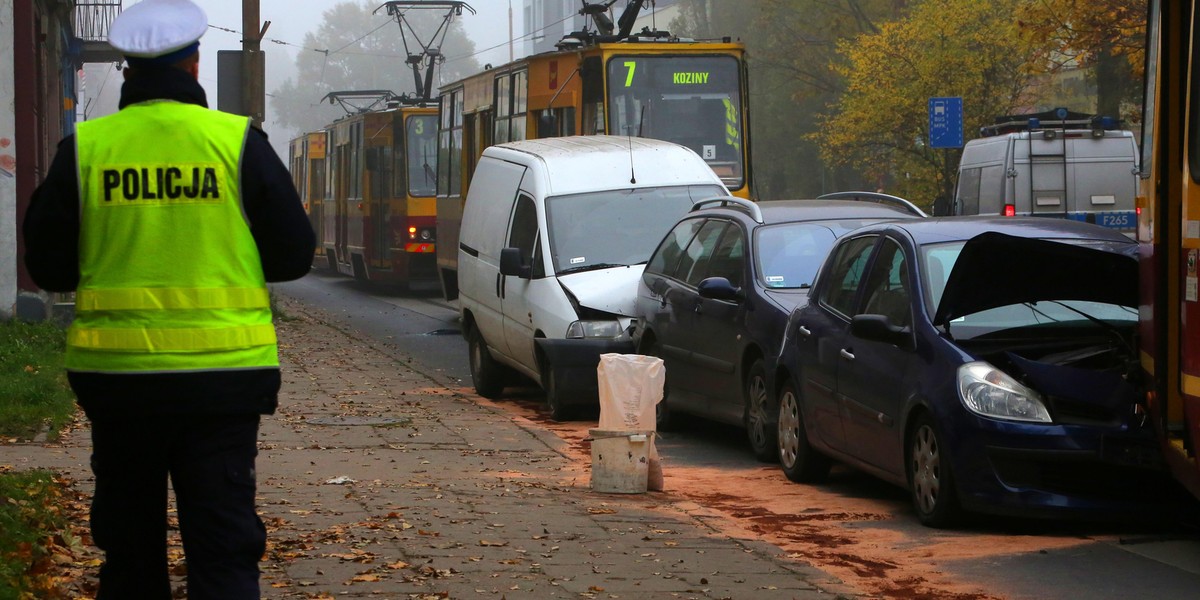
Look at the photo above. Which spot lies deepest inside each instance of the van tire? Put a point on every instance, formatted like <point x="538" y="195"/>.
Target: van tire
<point x="559" y="411"/>
<point x="487" y="375"/>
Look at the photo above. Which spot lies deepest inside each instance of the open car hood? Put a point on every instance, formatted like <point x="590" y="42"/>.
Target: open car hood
<point x="610" y="290"/>
<point x="996" y="269"/>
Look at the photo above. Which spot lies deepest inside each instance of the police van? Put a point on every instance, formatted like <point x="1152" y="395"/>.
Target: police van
<point x="1053" y="164"/>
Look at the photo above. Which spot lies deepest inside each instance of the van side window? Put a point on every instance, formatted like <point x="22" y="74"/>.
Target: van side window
<point x="522" y="232"/>
<point x="968" y="192"/>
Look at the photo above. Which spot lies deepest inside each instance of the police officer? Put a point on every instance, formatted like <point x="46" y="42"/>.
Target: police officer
<point x="168" y="219"/>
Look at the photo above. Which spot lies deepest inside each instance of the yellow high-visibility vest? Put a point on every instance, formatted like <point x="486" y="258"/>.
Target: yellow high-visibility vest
<point x="170" y="277"/>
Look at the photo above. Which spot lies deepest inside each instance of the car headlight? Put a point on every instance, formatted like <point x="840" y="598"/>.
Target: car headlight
<point x="593" y="329"/>
<point x="988" y="391"/>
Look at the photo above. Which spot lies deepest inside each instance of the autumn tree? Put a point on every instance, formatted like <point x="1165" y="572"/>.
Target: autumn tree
<point x="1106" y="37"/>
<point x="356" y="48"/>
<point x="961" y="48"/>
<point x="791" y="49"/>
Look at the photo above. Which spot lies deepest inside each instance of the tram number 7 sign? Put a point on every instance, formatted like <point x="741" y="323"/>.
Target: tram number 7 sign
<point x="946" y="122"/>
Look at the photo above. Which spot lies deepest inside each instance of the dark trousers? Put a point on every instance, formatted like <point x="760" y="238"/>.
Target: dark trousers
<point x="210" y="460"/>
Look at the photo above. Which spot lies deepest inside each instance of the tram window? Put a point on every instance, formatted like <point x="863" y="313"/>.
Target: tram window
<point x="420" y="155"/>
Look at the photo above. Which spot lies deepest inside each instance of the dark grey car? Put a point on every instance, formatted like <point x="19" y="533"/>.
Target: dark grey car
<point x="715" y="297"/>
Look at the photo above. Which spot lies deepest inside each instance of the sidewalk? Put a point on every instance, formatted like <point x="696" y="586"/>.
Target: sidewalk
<point x="376" y="482"/>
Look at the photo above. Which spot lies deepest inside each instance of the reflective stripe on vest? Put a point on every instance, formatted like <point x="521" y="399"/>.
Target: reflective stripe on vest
<point x="170" y="276"/>
<point x="151" y="298"/>
<point x="171" y="340"/>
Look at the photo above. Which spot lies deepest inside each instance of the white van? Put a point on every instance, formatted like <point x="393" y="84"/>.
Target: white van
<point x="555" y="234"/>
<point x="1078" y="168"/>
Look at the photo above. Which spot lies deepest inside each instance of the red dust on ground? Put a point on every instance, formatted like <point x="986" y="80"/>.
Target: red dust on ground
<point x="873" y="545"/>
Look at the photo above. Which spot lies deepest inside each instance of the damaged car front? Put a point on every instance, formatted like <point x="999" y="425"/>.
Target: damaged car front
<point x="1004" y="381"/>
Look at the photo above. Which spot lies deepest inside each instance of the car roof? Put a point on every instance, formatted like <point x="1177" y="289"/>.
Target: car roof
<point x="788" y="211"/>
<point x="956" y="229"/>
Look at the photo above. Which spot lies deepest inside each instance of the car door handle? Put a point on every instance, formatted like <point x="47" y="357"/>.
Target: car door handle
<point x="802" y="330"/>
<point x="498" y="276"/>
<point x="697" y="307"/>
<point x="846" y="354"/>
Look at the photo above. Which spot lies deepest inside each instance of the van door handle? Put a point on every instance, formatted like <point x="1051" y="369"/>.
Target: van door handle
<point x="498" y="276"/>
<point x="846" y="354"/>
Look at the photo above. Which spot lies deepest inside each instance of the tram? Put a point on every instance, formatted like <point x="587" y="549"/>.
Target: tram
<point x="1168" y="232"/>
<point x="648" y="84"/>
<point x="369" y="183"/>
<point x="306" y="162"/>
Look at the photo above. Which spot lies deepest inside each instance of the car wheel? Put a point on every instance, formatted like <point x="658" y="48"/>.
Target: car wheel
<point x="554" y="401"/>
<point x="800" y="461"/>
<point x="759" y="428"/>
<point x="487" y="375"/>
<point x="930" y="477"/>
<point x="662" y="411"/>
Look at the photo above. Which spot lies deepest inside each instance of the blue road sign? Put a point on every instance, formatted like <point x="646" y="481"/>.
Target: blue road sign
<point x="946" y="122"/>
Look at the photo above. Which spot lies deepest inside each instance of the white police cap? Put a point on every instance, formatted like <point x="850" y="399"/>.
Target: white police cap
<point x="154" y="28"/>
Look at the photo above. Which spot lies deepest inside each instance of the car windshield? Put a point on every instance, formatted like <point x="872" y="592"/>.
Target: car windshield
<point x="615" y="227"/>
<point x="938" y="260"/>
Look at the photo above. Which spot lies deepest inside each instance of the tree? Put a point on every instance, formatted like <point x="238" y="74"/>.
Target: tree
<point x="791" y="50"/>
<point x="941" y="48"/>
<point x="1106" y="36"/>
<point x="356" y="49"/>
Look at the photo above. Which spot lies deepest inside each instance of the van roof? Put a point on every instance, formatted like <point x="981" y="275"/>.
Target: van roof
<point x="593" y="162"/>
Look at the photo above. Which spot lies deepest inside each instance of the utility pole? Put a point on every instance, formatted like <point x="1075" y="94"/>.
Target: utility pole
<point x="253" y="63"/>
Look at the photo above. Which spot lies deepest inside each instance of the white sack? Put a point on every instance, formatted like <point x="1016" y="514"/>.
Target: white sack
<point x="631" y="385"/>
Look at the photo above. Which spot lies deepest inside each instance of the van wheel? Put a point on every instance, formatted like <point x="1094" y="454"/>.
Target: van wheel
<point x="487" y="375"/>
<point x="759" y="428"/>
<point x="800" y="461"/>
<point x="559" y="411"/>
<point x="930" y="479"/>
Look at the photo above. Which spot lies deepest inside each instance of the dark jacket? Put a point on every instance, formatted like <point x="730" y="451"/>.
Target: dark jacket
<point x="278" y="223"/>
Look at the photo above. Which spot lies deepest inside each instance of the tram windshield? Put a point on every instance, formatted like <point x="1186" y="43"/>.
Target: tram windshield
<point x="694" y="101"/>
<point x="422" y="154"/>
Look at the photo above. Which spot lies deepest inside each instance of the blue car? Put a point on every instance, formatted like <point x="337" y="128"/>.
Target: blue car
<point x="715" y="295"/>
<point x="987" y="364"/>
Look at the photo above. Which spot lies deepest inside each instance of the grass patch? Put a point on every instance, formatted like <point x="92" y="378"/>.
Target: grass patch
<point x="34" y="394"/>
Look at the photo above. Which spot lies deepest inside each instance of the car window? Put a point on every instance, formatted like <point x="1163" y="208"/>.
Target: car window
<point x="887" y="290"/>
<point x="694" y="263"/>
<point x="728" y="259"/>
<point x="846" y="271"/>
<point x="666" y="258"/>
<point x="789" y="255"/>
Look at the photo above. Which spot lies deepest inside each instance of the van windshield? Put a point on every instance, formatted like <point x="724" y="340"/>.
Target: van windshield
<point x="615" y="227"/>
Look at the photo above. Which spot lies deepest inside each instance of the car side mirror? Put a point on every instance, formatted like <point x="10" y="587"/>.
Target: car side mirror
<point x="879" y="328"/>
<point x="511" y="264"/>
<point x="719" y="288"/>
